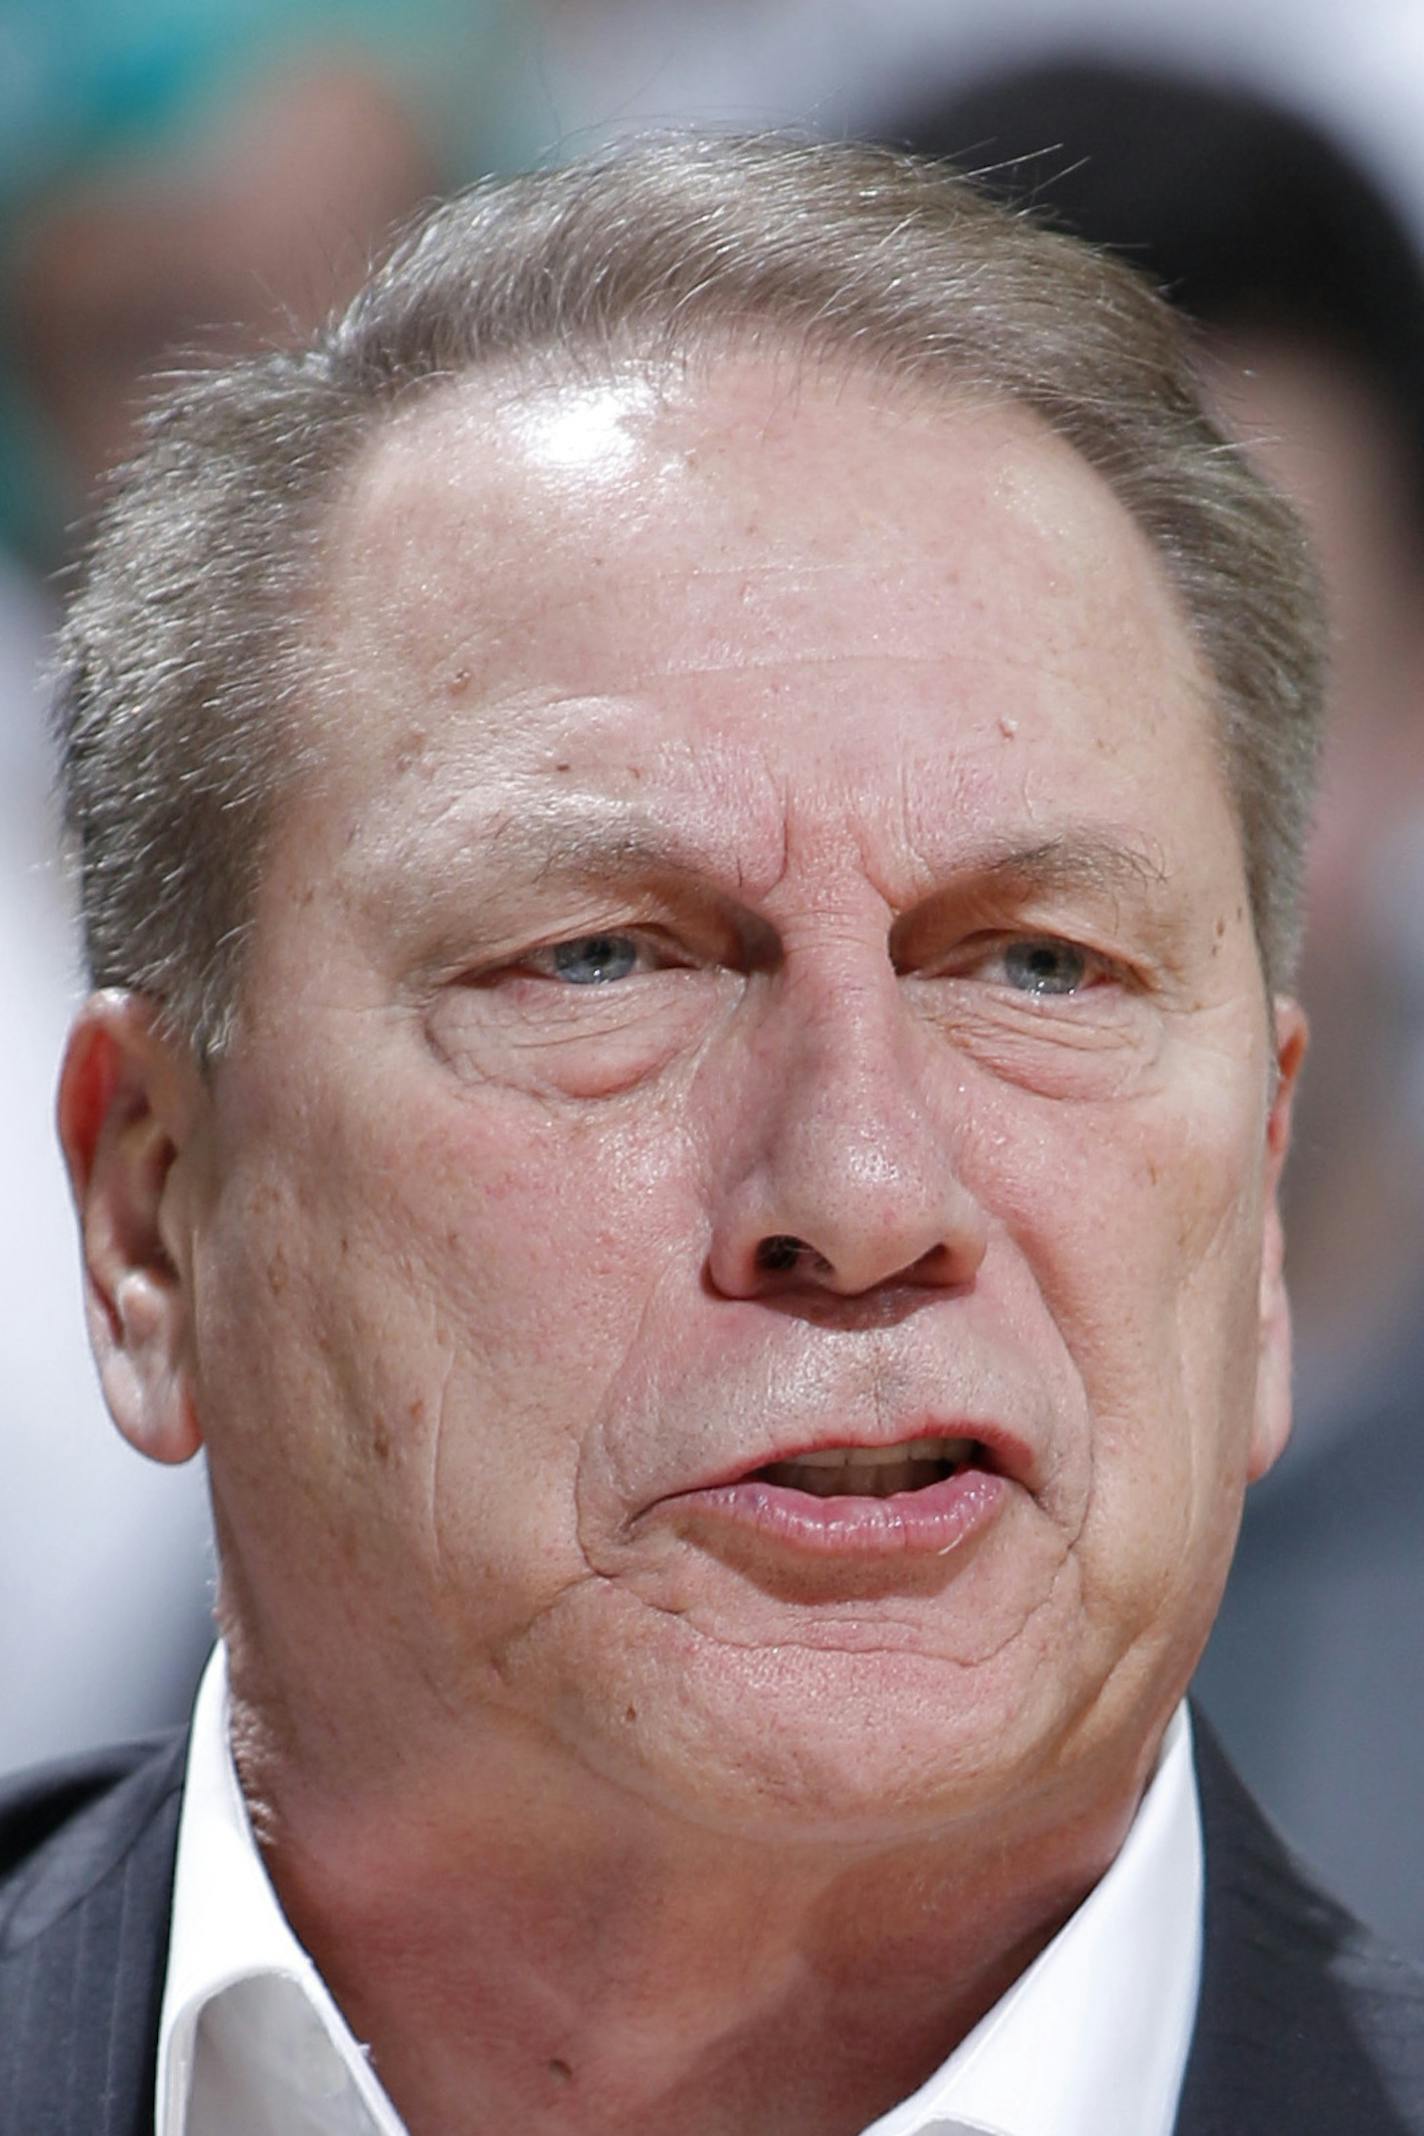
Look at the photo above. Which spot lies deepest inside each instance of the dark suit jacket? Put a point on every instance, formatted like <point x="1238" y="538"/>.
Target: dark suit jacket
<point x="1315" y="1672"/>
<point x="1307" y="2026"/>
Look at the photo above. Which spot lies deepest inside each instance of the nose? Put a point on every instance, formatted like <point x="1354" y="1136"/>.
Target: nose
<point x="840" y="1171"/>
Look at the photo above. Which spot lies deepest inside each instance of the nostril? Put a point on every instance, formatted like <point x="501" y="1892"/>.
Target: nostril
<point x="780" y="1253"/>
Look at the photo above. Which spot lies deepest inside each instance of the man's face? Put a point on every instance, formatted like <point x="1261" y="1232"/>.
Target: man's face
<point x="765" y="970"/>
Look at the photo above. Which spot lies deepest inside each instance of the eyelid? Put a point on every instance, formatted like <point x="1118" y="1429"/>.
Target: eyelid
<point x="659" y="948"/>
<point x="699" y="936"/>
<point x="643" y="939"/>
<point x="976" y="950"/>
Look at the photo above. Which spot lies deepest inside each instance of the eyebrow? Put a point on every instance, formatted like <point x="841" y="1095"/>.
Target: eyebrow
<point x="582" y="838"/>
<point x="1081" y="859"/>
<point x="591" y="841"/>
<point x="578" y="839"/>
<point x="1078" y="861"/>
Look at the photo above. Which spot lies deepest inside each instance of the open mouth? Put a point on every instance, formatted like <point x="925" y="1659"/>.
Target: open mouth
<point x="923" y="1497"/>
<point x="873" y="1471"/>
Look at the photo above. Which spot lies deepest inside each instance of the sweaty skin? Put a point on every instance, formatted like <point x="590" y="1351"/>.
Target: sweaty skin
<point x="764" y="807"/>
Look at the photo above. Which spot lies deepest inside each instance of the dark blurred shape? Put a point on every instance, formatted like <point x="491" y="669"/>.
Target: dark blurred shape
<point x="1245" y="214"/>
<point x="1310" y="296"/>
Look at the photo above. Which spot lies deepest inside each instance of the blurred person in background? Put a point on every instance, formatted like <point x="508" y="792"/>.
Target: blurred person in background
<point x="1310" y="298"/>
<point x="178" y="182"/>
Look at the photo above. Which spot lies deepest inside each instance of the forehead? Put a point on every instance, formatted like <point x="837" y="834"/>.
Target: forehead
<point x="811" y="568"/>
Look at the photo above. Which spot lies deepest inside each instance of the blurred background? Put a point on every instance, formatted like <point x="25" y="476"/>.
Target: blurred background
<point x="182" y="178"/>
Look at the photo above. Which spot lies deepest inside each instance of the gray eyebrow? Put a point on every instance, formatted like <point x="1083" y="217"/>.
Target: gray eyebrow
<point x="1073" y="860"/>
<point x="582" y="836"/>
<point x="1004" y="871"/>
<point x="591" y="840"/>
<point x="578" y="837"/>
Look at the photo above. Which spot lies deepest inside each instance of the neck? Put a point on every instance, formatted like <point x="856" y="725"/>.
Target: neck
<point x="535" y="1948"/>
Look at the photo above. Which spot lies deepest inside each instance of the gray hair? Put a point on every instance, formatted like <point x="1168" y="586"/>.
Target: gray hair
<point x="184" y="705"/>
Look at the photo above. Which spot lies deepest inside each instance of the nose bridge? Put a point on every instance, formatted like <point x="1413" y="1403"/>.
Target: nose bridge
<point x="842" y="1163"/>
<point x="850" y="1066"/>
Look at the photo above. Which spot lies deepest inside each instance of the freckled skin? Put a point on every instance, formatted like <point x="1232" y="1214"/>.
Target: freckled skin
<point x="834" y="647"/>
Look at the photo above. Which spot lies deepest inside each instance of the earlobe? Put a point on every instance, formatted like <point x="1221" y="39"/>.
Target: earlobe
<point x="1273" y="1386"/>
<point x="125" y="1110"/>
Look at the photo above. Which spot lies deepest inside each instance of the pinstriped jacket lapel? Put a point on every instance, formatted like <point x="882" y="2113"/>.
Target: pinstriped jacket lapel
<point x="83" y="1941"/>
<point x="1306" y="2022"/>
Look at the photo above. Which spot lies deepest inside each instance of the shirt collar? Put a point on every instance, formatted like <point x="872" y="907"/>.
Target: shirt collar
<point x="249" y="2038"/>
<point x="1091" y="2041"/>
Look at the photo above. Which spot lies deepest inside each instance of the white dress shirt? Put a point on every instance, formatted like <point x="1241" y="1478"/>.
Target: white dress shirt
<point x="1090" y="2041"/>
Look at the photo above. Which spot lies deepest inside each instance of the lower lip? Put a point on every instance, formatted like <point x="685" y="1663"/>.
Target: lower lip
<point x="926" y="1523"/>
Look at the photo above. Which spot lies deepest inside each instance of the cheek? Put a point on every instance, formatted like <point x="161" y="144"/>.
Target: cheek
<point x="449" y="1292"/>
<point x="1131" y="1209"/>
<point x="547" y="1228"/>
<point x="1138" y="1228"/>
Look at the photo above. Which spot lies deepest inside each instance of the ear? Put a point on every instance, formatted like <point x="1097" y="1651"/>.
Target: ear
<point x="128" y="1099"/>
<point x="1273" y="1386"/>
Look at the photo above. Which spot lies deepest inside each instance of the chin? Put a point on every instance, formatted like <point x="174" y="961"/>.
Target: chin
<point x="887" y="1753"/>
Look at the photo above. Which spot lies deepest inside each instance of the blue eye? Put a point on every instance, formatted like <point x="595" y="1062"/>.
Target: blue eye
<point x="1045" y="967"/>
<point x="593" y="960"/>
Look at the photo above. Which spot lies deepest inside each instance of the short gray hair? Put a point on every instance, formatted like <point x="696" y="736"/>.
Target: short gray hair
<point x="183" y="705"/>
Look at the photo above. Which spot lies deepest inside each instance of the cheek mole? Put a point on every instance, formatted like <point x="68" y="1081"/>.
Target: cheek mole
<point x="409" y="749"/>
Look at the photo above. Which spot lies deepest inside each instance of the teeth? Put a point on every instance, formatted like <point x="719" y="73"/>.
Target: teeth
<point x="955" y="1450"/>
<point x="871" y="1471"/>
